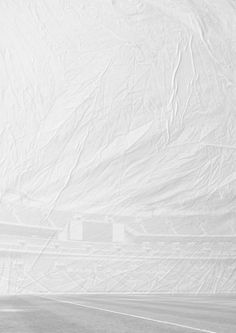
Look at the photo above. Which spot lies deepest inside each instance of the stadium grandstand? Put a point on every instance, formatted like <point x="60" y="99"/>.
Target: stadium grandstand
<point x="71" y="253"/>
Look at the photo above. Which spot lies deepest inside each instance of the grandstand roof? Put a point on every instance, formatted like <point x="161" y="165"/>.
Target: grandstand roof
<point x="25" y="229"/>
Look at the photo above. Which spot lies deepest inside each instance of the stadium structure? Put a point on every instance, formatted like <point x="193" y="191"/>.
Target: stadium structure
<point x="71" y="253"/>
<point x="117" y="166"/>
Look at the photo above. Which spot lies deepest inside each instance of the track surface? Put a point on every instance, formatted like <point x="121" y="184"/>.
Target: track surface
<point x="117" y="314"/>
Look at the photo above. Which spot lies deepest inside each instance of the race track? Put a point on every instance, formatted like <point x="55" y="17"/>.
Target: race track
<point x="118" y="314"/>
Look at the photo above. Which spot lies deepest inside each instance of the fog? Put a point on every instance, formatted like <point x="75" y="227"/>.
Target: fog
<point x="117" y="149"/>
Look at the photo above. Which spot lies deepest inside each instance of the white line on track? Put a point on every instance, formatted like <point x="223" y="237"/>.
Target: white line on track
<point x="12" y="310"/>
<point x="169" y="323"/>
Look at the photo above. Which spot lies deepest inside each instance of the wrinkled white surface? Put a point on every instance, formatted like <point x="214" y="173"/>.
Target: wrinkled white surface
<point x="119" y="107"/>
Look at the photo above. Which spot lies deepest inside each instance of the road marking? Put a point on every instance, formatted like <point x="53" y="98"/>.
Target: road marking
<point x="131" y="315"/>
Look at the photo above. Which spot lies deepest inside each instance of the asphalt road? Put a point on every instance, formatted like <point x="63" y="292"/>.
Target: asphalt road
<point x="118" y="314"/>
